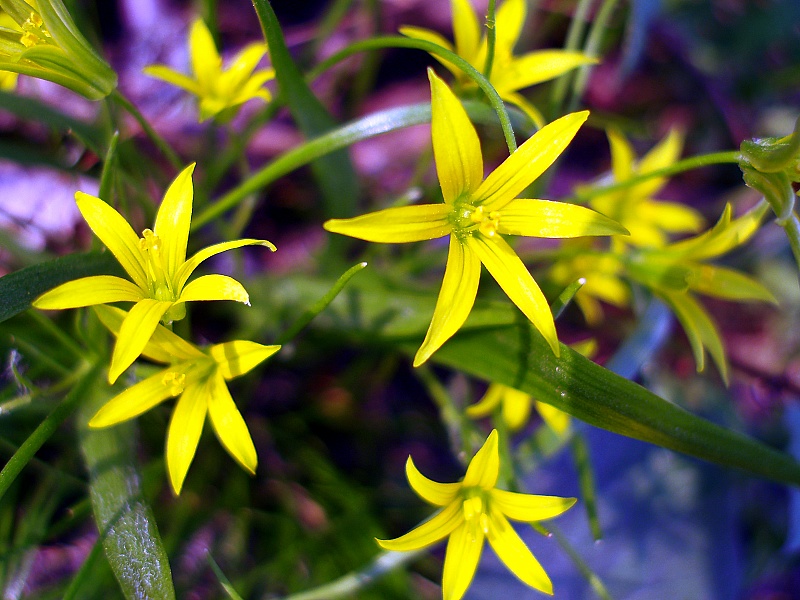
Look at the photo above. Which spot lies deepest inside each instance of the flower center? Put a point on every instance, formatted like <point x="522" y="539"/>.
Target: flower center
<point x="175" y="381"/>
<point x="160" y="287"/>
<point x="476" y="509"/>
<point x="33" y="31"/>
<point x="467" y="219"/>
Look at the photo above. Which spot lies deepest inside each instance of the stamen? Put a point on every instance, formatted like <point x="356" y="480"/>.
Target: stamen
<point x="33" y="31"/>
<point x="175" y="381"/>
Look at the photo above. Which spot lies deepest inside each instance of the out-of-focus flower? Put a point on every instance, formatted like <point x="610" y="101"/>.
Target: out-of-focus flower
<point x="220" y="91"/>
<point x="476" y="211"/>
<point x="676" y="271"/>
<point x="156" y="263"/>
<point x="475" y="510"/>
<point x="649" y="221"/>
<point x="197" y="377"/>
<point x="509" y="73"/>
<point x="46" y="43"/>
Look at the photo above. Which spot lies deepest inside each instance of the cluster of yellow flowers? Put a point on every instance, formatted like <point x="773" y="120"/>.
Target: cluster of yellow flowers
<point x="476" y="214"/>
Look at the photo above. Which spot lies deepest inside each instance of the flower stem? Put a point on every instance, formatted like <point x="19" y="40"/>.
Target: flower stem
<point x="491" y="38"/>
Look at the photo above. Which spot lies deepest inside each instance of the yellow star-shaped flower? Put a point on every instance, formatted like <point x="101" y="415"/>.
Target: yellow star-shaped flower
<point x="473" y="511"/>
<point x="198" y="378"/>
<point x="220" y="91"/>
<point x="509" y="73"/>
<point x="157" y="266"/>
<point x="476" y="211"/>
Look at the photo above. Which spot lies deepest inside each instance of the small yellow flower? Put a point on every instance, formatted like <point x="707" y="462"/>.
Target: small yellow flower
<point x="472" y="511"/>
<point x="198" y="378"/>
<point x="649" y="221"/>
<point x="44" y="42"/>
<point x="220" y="91"/>
<point x="509" y="73"/>
<point x="476" y="211"/>
<point x="156" y="263"/>
<point x="675" y="271"/>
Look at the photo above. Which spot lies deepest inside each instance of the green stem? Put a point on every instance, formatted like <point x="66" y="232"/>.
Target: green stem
<point x="347" y="586"/>
<point x="402" y="42"/>
<point x="591" y="49"/>
<point x="160" y="143"/>
<point x="491" y="38"/>
<point x="585" y="569"/>
<point x="47" y="428"/>
<point x="686" y="164"/>
<point x="792" y="228"/>
<point x="576" y="29"/>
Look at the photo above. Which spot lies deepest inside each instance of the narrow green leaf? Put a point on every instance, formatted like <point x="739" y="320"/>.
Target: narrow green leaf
<point x="334" y="172"/>
<point x="20" y="288"/>
<point x="580" y="453"/>
<point x="124" y="519"/>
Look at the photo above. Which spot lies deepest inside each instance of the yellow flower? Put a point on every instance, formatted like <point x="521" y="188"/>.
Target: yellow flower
<point x="516" y="406"/>
<point x="474" y="510"/>
<point x="220" y="91"/>
<point x="675" y="271"/>
<point x="198" y="378"/>
<point x="509" y="73"/>
<point x="648" y="220"/>
<point x="46" y="43"/>
<point x="474" y="214"/>
<point x="156" y="263"/>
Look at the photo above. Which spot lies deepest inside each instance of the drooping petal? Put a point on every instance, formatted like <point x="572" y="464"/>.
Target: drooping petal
<point x="206" y="62"/>
<point x="536" y="67"/>
<point x="528" y="507"/>
<point x="486" y="405"/>
<point x="461" y="559"/>
<point x="516" y="408"/>
<point x="134" y="401"/>
<point x="164" y="73"/>
<point x="229" y="425"/>
<point x="484" y="467"/>
<point x="214" y="287"/>
<point x="466" y="30"/>
<point x="184" y="432"/>
<point x="187" y="268"/>
<point x="431" y="531"/>
<point x="456" y="148"/>
<point x="164" y="346"/>
<point x="88" y="291"/>
<point x="556" y="419"/>
<point x="238" y="357"/>
<point x="459" y="288"/>
<point x="420" y="33"/>
<point x="528" y="162"/>
<point x="548" y="219"/>
<point x="173" y="220"/>
<point x="438" y="494"/>
<point x="518" y="284"/>
<point x="515" y="554"/>
<point x="397" y="225"/>
<point x="134" y="334"/>
<point x="115" y="232"/>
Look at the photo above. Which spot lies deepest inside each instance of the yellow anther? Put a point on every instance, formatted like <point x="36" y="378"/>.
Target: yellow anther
<point x="473" y="507"/>
<point x="150" y="241"/>
<point x="33" y="31"/>
<point x="176" y="382"/>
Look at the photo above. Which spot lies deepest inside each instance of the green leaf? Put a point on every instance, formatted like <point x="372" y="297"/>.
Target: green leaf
<point x="334" y="172"/>
<point x="20" y="288"/>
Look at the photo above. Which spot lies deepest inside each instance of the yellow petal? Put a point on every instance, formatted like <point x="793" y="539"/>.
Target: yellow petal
<point x="670" y="216"/>
<point x="459" y="288"/>
<point x="663" y="154"/>
<point x="134" y="334"/>
<point x="244" y="63"/>
<point x="466" y="30"/>
<point x="438" y="494"/>
<point x="173" y="220"/>
<point x="556" y="419"/>
<point x="132" y="402"/>
<point x="622" y="155"/>
<point x="528" y="507"/>
<point x="206" y="62"/>
<point x="238" y="357"/>
<point x="397" y="225"/>
<point x="214" y="287"/>
<point x="515" y="554"/>
<point x="484" y="467"/>
<point x="509" y="272"/>
<point x="187" y="268"/>
<point x="456" y="148"/>
<point x="536" y="67"/>
<point x="180" y="80"/>
<point x="89" y="291"/>
<point x="516" y="408"/>
<point x="522" y="103"/>
<point x="431" y="531"/>
<point x="461" y="559"/>
<point x="545" y="218"/>
<point x="528" y="162"/>
<point x="229" y="425"/>
<point x="724" y="236"/>
<point x="420" y="33"/>
<point x="184" y="432"/>
<point x="509" y="19"/>
<point x="115" y="232"/>
<point x="486" y="405"/>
